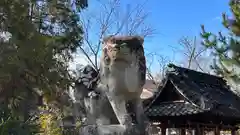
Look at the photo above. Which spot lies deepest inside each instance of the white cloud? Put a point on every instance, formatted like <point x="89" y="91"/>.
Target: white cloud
<point x="79" y="59"/>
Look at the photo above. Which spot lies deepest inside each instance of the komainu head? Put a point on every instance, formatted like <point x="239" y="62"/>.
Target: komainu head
<point x="122" y="49"/>
<point x="123" y="58"/>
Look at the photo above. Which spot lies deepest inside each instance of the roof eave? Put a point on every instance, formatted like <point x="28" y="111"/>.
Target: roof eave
<point x="160" y="87"/>
<point x="182" y="94"/>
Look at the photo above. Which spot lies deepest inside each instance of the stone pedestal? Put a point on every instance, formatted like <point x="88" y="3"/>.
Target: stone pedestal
<point x="109" y="130"/>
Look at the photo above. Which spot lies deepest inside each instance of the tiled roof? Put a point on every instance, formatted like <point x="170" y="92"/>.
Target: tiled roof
<point x="173" y="109"/>
<point x="203" y="90"/>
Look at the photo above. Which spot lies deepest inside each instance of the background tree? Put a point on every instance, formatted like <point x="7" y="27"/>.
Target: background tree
<point x="159" y="63"/>
<point x="192" y="53"/>
<point x="112" y="17"/>
<point x="37" y="42"/>
<point x="226" y="48"/>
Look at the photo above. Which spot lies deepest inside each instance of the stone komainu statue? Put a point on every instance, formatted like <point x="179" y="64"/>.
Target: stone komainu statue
<point x="92" y="104"/>
<point x="85" y="84"/>
<point x="114" y="97"/>
<point x="123" y="70"/>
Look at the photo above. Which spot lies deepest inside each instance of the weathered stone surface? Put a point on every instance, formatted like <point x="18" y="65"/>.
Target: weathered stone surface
<point x="123" y="71"/>
<point x="92" y="104"/>
<point x="109" y="130"/>
<point x="114" y="97"/>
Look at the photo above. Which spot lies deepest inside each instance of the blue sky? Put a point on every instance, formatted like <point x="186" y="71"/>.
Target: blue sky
<point x="173" y="19"/>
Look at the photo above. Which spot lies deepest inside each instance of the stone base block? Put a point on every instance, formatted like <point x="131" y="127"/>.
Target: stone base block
<point x="109" y="130"/>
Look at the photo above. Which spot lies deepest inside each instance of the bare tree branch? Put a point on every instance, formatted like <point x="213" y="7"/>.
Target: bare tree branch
<point x="158" y="63"/>
<point x="192" y="50"/>
<point x="112" y="18"/>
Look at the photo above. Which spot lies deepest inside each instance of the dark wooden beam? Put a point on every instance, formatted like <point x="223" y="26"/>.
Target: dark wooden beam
<point x="199" y="130"/>
<point x="233" y="131"/>
<point x="183" y="131"/>
<point x="163" y="128"/>
<point x="193" y="125"/>
<point x="198" y="118"/>
<point x="217" y="130"/>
